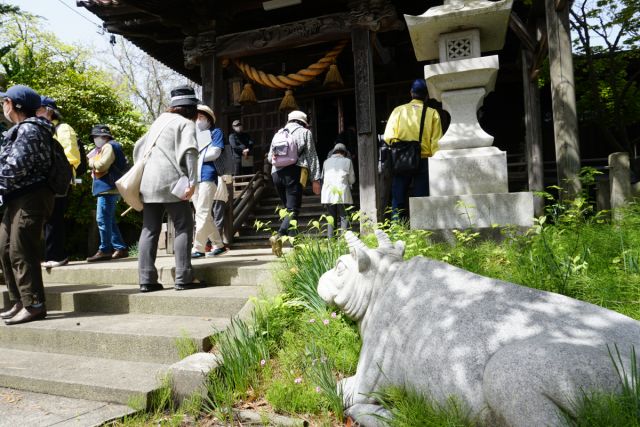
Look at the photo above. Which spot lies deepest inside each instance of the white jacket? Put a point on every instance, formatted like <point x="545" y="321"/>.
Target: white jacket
<point x="338" y="176"/>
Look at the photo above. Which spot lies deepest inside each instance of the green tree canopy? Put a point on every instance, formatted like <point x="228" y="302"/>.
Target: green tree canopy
<point x="85" y="94"/>
<point x="607" y="67"/>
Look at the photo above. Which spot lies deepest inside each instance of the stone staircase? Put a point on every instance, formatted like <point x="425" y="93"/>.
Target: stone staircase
<point x="102" y="340"/>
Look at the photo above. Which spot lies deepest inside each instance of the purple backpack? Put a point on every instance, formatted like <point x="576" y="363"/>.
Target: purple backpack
<point x="284" y="148"/>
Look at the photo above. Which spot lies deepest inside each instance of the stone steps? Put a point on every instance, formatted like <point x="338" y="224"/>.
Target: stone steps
<point x="78" y="376"/>
<point x="103" y="340"/>
<point x="218" y="301"/>
<point x="134" y="337"/>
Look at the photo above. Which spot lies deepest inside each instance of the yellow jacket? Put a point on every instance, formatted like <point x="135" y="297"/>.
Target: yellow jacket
<point x="404" y="125"/>
<point x="66" y="136"/>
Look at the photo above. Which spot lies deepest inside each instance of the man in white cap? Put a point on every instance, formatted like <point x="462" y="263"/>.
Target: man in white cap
<point x="286" y="177"/>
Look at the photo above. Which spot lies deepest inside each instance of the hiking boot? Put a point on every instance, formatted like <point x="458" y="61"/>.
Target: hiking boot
<point x="100" y="256"/>
<point x="276" y="245"/>
<point x="150" y="287"/>
<point x="217" y="251"/>
<point x="120" y="253"/>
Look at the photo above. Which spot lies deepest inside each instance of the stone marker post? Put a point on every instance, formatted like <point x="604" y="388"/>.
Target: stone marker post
<point x="620" y="182"/>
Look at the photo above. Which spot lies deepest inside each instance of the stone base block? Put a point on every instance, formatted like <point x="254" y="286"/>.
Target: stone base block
<point x="468" y="171"/>
<point x="189" y="375"/>
<point x="471" y="211"/>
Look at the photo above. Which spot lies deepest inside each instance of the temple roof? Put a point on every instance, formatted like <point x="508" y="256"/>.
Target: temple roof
<point x="160" y="27"/>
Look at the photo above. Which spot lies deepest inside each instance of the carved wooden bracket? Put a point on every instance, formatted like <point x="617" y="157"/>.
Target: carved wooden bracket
<point x="376" y="15"/>
<point x="194" y="48"/>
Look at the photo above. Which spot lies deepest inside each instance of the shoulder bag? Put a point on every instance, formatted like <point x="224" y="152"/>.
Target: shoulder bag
<point x="405" y="155"/>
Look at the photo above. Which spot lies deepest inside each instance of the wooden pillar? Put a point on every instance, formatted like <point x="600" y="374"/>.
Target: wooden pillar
<point x="533" y="131"/>
<point x="366" y="124"/>
<point x="565" y="121"/>
<point x="213" y="95"/>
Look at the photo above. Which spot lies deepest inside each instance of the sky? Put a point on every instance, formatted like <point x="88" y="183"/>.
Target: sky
<point x="72" y="24"/>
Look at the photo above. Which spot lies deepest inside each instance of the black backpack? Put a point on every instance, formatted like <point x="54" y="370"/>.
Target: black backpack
<point x="60" y="173"/>
<point x="83" y="166"/>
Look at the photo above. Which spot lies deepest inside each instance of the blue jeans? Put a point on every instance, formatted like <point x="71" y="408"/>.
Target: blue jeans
<point x="400" y="189"/>
<point x="110" y="237"/>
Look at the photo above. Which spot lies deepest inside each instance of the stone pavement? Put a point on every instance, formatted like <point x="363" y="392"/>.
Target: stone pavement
<point x="105" y="342"/>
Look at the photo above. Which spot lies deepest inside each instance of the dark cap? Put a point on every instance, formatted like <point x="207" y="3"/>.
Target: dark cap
<point x="183" y="95"/>
<point x="23" y="97"/>
<point x="236" y="123"/>
<point x="419" y="87"/>
<point x="101" y="130"/>
<point x="48" y="102"/>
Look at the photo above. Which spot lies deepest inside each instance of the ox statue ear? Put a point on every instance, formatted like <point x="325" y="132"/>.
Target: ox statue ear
<point x="362" y="258"/>
<point x="400" y="247"/>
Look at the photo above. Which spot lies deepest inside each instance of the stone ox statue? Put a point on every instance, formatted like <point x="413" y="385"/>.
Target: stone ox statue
<point x="509" y="352"/>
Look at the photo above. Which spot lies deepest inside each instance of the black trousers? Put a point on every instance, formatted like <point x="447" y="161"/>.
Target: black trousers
<point x="287" y="182"/>
<point x="54" y="231"/>
<point x="21" y="245"/>
<point x="339" y="213"/>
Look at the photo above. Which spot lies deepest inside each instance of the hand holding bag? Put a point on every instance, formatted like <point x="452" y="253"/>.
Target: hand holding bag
<point x="405" y="155"/>
<point x="129" y="184"/>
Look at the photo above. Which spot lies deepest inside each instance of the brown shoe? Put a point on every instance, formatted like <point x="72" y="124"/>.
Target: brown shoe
<point x="27" y="314"/>
<point x="100" y="256"/>
<point x="12" y="311"/>
<point x="120" y="253"/>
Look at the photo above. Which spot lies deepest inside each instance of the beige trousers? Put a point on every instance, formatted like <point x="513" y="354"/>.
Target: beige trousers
<point x="205" y="228"/>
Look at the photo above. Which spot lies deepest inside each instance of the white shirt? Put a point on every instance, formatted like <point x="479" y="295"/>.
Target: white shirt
<point x="338" y="176"/>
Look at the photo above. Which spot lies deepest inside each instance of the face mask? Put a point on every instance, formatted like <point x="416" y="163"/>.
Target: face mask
<point x="203" y="124"/>
<point x="99" y="142"/>
<point x="237" y="129"/>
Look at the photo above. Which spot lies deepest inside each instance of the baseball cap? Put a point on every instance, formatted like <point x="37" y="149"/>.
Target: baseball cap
<point x="45" y="101"/>
<point x="419" y="87"/>
<point x="23" y="97"/>
<point x="236" y="123"/>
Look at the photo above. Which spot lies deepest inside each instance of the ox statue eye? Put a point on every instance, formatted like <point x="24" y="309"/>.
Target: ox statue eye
<point x="340" y="268"/>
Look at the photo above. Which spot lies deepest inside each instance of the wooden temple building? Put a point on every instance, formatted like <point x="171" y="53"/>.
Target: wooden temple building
<point x="281" y="48"/>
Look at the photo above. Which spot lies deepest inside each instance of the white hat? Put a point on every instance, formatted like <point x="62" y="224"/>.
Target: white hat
<point x="298" y="115"/>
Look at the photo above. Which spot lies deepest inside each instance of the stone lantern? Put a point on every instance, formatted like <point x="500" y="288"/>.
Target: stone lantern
<point x="467" y="175"/>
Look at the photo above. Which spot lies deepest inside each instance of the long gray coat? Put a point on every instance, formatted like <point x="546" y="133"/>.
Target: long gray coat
<point x="166" y="163"/>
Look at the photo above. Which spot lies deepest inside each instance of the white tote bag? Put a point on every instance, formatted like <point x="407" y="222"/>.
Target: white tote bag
<point x="129" y="184"/>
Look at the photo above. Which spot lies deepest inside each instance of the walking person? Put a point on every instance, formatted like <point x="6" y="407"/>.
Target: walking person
<point x="54" y="229"/>
<point x="174" y="156"/>
<point x="242" y="145"/>
<point x="300" y="153"/>
<point x="107" y="163"/>
<point x="26" y="158"/>
<point x="209" y="149"/>
<point x="404" y="124"/>
<point x="338" y="175"/>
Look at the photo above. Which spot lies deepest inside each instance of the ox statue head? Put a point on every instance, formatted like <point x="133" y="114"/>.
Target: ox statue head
<point x="350" y="283"/>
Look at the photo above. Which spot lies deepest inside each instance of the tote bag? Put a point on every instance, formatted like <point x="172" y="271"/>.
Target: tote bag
<point x="405" y="155"/>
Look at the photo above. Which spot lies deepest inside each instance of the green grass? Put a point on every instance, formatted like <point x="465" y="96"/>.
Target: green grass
<point x="409" y="408"/>
<point x="596" y="408"/>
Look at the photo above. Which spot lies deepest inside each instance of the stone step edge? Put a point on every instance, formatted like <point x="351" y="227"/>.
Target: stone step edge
<point x="121" y="391"/>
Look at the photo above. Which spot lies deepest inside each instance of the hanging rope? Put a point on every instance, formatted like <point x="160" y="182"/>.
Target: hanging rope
<point x="292" y="80"/>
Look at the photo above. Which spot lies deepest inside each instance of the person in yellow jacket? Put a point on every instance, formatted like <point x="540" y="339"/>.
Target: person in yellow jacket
<point x="404" y="125"/>
<point x="54" y="228"/>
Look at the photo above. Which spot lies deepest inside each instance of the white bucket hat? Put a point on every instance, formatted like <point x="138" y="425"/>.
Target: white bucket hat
<point x="298" y="115"/>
